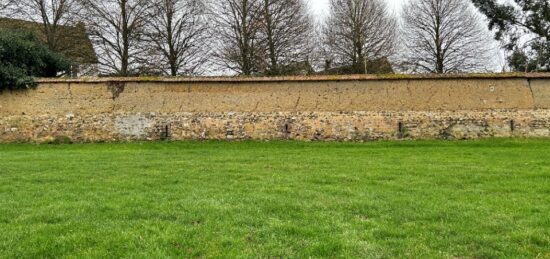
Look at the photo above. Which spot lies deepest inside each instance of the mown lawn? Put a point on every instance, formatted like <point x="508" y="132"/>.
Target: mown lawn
<point x="479" y="199"/>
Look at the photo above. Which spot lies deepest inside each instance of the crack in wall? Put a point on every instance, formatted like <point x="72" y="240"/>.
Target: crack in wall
<point x="532" y="94"/>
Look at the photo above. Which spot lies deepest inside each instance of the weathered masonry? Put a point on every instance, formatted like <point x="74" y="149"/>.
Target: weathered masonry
<point x="317" y="108"/>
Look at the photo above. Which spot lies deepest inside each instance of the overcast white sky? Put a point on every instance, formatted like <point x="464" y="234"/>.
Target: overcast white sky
<point x="321" y="6"/>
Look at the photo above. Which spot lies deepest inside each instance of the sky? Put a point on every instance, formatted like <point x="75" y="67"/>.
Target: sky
<point x="320" y="7"/>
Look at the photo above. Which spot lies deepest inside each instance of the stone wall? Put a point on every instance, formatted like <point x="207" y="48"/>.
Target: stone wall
<point x="319" y="108"/>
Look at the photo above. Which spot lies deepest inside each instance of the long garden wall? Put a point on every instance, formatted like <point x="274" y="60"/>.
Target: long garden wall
<point x="317" y="108"/>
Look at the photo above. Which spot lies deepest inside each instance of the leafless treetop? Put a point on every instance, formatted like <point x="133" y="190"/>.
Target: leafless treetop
<point x="287" y="31"/>
<point x="237" y="24"/>
<point x="117" y="28"/>
<point x="445" y="36"/>
<point x="178" y="31"/>
<point x="358" y="30"/>
<point x="52" y="15"/>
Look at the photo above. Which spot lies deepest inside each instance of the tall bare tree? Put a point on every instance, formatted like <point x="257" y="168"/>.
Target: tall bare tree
<point x="357" y="31"/>
<point x="117" y="27"/>
<point x="178" y="30"/>
<point x="445" y="36"/>
<point x="52" y="16"/>
<point x="237" y="26"/>
<point x="287" y="32"/>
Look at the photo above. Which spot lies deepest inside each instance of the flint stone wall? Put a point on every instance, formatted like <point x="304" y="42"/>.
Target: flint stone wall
<point x="344" y="108"/>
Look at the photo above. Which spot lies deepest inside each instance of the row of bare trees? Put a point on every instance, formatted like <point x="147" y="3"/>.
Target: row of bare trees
<point x="262" y="36"/>
<point x="268" y="37"/>
<point x="130" y="36"/>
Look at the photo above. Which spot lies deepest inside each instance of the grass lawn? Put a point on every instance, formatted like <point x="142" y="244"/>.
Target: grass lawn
<point x="478" y="199"/>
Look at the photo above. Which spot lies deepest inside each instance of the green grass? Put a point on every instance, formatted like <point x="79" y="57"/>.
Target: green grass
<point x="478" y="199"/>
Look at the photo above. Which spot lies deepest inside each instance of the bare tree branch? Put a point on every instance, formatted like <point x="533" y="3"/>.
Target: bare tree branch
<point x="4" y="4"/>
<point x="445" y="36"/>
<point x="178" y="32"/>
<point x="357" y="31"/>
<point x="117" y="27"/>
<point x="237" y="24"/>
<point x="287" y="30"/>
<point x="52" y="15"/>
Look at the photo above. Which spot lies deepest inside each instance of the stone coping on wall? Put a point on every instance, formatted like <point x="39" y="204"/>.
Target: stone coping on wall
<point x="318" y="78"/>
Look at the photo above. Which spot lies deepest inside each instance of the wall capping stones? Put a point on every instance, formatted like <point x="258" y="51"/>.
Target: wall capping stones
<point x="320" y="78"/>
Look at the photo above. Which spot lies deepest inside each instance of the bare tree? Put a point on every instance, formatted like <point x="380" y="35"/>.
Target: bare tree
<point x="445" y="36"/>
<point x="52" y="15"/>
<point x="237" y="26"/>
<point x="357" y="31"/>
<point x="287" y="32"/>
<point x="117" y="27"/>
<point x="179" y="32"/>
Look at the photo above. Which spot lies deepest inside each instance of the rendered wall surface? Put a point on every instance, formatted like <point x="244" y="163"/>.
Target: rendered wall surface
<point x="312" y="109"/>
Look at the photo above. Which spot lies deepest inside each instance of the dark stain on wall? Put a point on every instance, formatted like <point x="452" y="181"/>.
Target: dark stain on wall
<point x="116" y="88"/>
